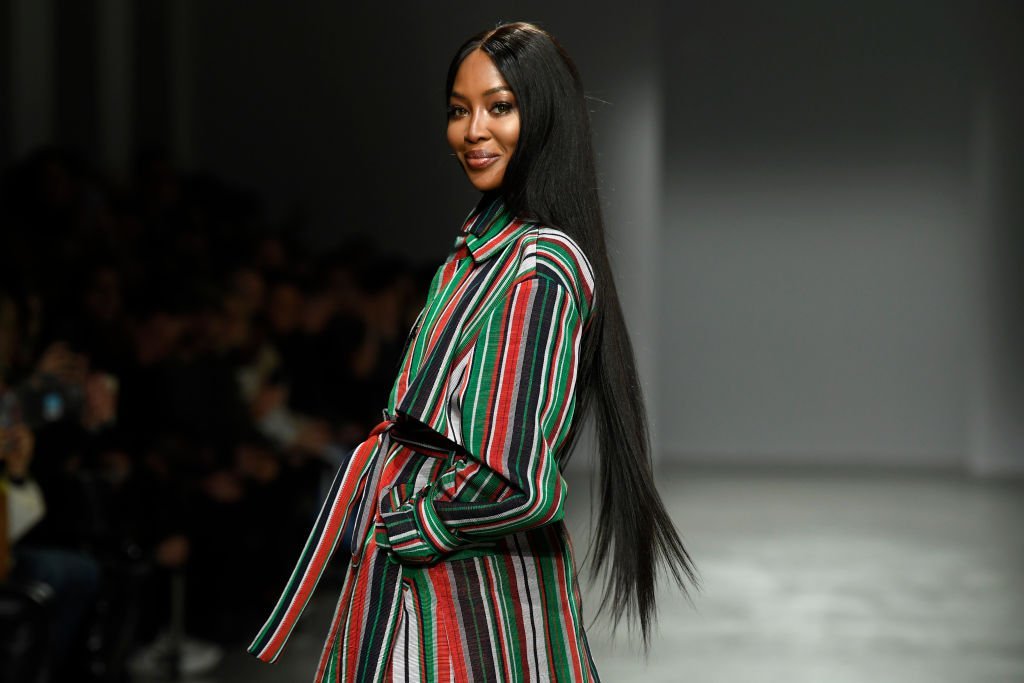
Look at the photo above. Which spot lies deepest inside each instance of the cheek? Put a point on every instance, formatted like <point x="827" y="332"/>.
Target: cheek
<point x="453" y="137"/>
<point x="510" y="134"/>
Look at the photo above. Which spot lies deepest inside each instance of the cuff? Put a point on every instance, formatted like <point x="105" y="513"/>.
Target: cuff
<point x="415" y="532"/>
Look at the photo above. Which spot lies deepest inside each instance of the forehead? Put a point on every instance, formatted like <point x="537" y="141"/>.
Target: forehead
<point x="476" y="75"/>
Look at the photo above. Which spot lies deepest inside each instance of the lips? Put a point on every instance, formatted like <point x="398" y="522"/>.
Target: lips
<point x="478" y="159"/>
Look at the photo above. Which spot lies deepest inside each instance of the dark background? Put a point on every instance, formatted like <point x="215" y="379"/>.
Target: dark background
<point x="812" y="206"/>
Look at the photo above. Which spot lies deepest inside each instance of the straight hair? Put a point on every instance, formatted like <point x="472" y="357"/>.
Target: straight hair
<point x="551" y="179"/>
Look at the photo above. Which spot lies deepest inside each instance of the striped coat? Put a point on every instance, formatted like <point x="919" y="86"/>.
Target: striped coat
<point x="461" y="566"/>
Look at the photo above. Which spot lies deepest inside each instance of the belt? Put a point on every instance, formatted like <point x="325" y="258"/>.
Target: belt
<point x="404" y="430"/>
<point x="349" y="506"/>
<point x="366" y="465"/>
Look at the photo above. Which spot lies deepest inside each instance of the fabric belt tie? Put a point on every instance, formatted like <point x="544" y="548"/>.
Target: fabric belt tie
<point x="361" y="481"/>
<point x="366" y="495"/>
<point x="406" y="431"/>
<point x="350" y="503"/>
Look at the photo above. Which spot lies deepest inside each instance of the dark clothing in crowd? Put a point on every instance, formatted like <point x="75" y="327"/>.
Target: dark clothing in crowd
<point x="230" y="369"/>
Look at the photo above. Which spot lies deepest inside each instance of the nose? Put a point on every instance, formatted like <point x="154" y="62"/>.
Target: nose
<point x="476" y="129"/>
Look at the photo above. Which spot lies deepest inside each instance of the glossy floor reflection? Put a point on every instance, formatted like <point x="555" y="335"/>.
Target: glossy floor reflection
<point x="809" y="577"/>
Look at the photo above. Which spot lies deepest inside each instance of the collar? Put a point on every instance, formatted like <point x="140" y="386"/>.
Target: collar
<point x="488" y="228"/>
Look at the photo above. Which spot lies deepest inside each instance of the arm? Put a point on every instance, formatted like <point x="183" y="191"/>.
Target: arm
<point x="25" y="505"/>
<point x="516" y="411"/>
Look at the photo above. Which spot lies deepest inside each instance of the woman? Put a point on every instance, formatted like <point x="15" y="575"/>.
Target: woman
<point x="462" y="569"/>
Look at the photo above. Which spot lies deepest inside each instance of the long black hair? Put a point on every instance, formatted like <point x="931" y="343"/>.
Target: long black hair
<point x="552" y="179"/>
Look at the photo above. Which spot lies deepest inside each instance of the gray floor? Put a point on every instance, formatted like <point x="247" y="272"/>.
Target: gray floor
<point x="809" y="577"/>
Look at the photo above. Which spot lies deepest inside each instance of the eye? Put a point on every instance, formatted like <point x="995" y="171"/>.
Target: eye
<point x="502" y="108"/>
<point x="455" y="111"/>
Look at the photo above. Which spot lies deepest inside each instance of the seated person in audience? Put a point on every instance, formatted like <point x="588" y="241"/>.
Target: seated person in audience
<point x="73" y="577"/>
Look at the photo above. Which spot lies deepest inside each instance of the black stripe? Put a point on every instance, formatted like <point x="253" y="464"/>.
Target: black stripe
<point x="529" y="603"/>
<point x="383" y="579"/>
<point x="474" y="622"/>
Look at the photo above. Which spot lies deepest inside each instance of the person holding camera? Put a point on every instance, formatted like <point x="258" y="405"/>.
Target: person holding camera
<point x="60" y="388"/>
<point x="71" y="577"/>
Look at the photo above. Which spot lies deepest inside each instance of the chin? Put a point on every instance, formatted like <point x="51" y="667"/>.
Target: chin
<point x="486" y="184"/>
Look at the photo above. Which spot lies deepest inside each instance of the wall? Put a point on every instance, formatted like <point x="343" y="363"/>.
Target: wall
<point x="820" y="259"/>
<point x="997" y="398"/>
<point x="349" y="99"/>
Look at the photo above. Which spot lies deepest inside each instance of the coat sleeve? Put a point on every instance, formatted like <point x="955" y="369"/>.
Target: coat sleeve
<point x="517" y="408"/>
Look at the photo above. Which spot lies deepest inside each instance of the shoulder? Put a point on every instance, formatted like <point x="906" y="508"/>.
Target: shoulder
<point x="553" y="254"/>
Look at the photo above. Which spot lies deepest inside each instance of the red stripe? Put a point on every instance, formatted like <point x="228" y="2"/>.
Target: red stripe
<point x="497" y="410"/>
<point x="582" y="268"/>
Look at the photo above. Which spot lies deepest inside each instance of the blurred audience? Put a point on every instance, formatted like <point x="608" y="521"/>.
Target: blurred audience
<point x="177" y="383"/>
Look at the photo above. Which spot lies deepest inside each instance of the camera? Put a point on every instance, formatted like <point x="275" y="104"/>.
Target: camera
<point x="39" y="401"/>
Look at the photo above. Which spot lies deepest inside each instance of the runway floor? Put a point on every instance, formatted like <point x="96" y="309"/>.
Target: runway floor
<point x="808" y="577"/>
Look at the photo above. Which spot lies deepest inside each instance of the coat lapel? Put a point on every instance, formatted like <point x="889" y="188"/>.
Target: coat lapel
<point x="448" y="323"/>
<point x="424" y="388"/>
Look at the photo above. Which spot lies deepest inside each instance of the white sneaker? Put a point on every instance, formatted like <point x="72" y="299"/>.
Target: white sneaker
<point x="195" y="657"/>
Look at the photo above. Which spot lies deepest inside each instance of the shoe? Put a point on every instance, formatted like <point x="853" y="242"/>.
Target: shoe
<point x="195" y="657"/>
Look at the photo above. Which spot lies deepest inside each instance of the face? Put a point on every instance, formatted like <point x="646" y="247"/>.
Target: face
<point x="483" y="121"/>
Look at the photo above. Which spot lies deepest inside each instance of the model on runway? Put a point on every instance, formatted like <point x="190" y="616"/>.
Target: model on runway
<point x="461" y="565"/>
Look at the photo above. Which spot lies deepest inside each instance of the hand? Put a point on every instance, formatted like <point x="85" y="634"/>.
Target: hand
<point x="100" y="400"/>
<point x="17" y="444"/>
<point x="223" y="487"/>
<point x="270" y="398"/>
<point x="116" y="466"/>
<point x="257" y="463"/>
<point x="58" y="360"/>
<point x="172" y="552"/>
<point x="313" y="437"/>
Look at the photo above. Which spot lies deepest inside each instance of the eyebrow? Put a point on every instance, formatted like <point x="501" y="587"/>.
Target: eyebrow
<point x="500" y="88"/>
